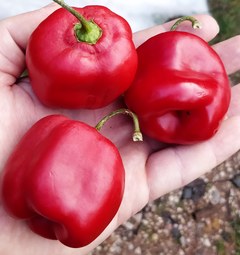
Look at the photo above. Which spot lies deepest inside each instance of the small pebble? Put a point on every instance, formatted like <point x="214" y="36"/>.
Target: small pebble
<point x="183" y="241"/>
<point x="176" y="233"/>
<point x="138" y="250"/>
<point x="187" y="193"/>
<point x="214" y="196"/>
<point x="195" y="190"/>
<point x="236" y="180"/>
<point x="206" y="242"/>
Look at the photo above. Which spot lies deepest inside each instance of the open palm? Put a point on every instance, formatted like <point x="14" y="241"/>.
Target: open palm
<point x="151" y="169"/>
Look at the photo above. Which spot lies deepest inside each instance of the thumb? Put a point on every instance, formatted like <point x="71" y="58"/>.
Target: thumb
<point x="21" y="26"/>
<point x="15" y="32"/>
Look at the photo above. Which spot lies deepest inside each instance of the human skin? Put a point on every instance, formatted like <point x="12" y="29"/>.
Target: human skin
<point x="152" y="169"/>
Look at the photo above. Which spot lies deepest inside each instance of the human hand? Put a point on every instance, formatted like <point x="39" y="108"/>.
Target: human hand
<point x="152" y="169"/>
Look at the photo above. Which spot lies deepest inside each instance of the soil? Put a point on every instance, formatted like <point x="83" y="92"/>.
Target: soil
<point x="202" y="218"/>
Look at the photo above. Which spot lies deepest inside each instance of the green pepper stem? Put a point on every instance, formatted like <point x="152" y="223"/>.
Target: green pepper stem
<point x="24" y="74"/>
<point x="137" y="135"/>
<point x="85" y="31"/>
<point x="195" y="23"/>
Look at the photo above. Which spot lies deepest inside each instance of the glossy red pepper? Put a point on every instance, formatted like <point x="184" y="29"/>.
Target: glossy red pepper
<point x="82" y="59"/>
<point x="181" y="91"/>
<point x="65" y="180"/>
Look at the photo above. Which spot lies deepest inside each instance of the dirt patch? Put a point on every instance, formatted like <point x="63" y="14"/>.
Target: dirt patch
<point x="202" y="218"/>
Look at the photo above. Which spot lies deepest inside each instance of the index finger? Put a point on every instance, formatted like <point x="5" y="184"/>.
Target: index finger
<point x="209" y="29"/>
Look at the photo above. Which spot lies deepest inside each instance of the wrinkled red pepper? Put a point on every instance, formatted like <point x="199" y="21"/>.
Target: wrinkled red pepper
<point x="65" y="180"/>
<point x="84" y="60"/>
<point x="181" y="91"/>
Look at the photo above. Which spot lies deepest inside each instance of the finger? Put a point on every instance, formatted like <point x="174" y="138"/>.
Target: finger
<point x="174" y="167"/>
<point x="209" y="29"/>
<point x="21" y="26"/>
<point x="229" y="51"/>
<point x="234" y="108"/>
<point x="15" y="32"/>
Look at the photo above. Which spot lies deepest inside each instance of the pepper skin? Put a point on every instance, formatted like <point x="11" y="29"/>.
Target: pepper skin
<point x="65" y="180"/>
<point x="184" y="87"/>
<point x="69" y="73"/>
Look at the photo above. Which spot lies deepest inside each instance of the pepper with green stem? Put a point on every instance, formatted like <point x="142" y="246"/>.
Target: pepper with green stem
<point x="66" y="180"/>
<point x="81" y="57"/>
<point x="183" y="84"/>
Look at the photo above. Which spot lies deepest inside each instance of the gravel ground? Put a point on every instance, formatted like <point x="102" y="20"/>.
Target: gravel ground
<point x="202" y="218"/>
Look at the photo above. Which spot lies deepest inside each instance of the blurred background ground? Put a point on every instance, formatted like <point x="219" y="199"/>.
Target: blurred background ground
<point x="202" y="218"/>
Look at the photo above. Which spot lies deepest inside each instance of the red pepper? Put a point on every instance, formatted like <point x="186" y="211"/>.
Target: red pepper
<point x="82" y="59"/>
<point x="181" y="91"/>
<point x="65" y="179"/>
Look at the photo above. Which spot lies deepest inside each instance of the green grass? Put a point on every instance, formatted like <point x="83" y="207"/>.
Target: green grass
<point x="227" y="14"/>
<point x="220" y="247"/>
<point x="236" y="228"/>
